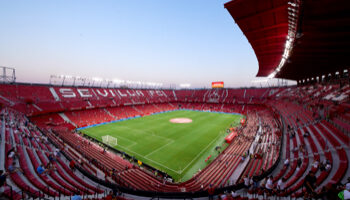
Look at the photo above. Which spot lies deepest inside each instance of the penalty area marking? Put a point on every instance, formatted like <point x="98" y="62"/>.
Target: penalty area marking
<point x="160" y="148"/>
<point x="178" y="172"/>
<point x="180" y="120"/>
<point x="200" y="153"/>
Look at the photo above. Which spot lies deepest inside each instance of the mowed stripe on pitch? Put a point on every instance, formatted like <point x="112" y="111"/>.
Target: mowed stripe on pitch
<point x="164" y="145"/>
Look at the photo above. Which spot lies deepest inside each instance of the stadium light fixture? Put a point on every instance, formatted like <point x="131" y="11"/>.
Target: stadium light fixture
<point x="262" y="80"/>
<point x="118" y="81"/>
<point x="99" y="82"/>
<point x="185" y="85"/>
<point x="97" y="79"/>
<point x="292" y="22"/>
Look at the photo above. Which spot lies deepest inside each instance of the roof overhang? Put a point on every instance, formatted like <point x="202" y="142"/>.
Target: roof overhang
<point x="294" y="39"/>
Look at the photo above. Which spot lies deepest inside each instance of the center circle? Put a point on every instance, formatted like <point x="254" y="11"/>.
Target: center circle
<point x="180" y="120"/>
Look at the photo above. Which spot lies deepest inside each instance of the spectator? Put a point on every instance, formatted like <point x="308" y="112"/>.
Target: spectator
<point x="263" y="183"/>
<point x="246" y="181"/>
<point x="110" y="196"/>
<point x="242" y="158"/>
<point x="106" y="175"/>
<point x="52" y="157"/>
<point x="12" y="168"/>
<point x="329" y="192"/>
<point x="306" y="134"/>
<point x="57" y="153"/>
<point x="12" y="154"/>
<point x="322" y="167"/>
<point x="255" y="183"/>
<point x="348" y="183"/>
<point x="347" y="191"/>
<point x="262" y="171"/>
<point x="41" y="170"/>
<point x="222" y="196"/>
<point x="286" y="162"/>
<point x="76" y="196"/>
<point x="281" y="185"/>
<point x="315" y="164"/>
<point x="211" y="191"/>
<point x="302" y="148"/>
<point x="309" y="184"/>
<point x="234" y="194"/>
<point x="3" y="176"/>
<point x="50" y="166"/>
<point x="269" y="185"/>
<point x="299" y="163"/>
<point x="292" y="135"/>
<point x="72" y="165"/>
<point x="328" y="167"/>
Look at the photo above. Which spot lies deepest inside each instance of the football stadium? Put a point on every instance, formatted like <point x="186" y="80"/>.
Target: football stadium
<point x="75" y="137"/>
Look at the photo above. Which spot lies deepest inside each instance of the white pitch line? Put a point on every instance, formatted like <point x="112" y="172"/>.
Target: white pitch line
<point x="146" y="132"/>
<point x="200" y="152"/>
<point x="151" y="160"/>
<point x="133" y="145"/>
<point x="133" y="142"/>
<point x="144" y="156"/>
<point x="160" y="148"/>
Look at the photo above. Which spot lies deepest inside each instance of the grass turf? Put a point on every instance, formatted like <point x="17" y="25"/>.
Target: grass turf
<point x="177" y="149"/>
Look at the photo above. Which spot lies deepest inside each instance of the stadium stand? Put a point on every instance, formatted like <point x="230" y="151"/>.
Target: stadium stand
<point x="294" y="144"/>
<point x="304" y="110"/>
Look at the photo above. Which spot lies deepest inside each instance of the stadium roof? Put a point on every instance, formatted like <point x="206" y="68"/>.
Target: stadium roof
<point x="296" y="39"/>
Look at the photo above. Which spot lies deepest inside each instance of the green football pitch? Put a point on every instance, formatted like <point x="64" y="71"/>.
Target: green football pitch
<point x="179" y="149"/>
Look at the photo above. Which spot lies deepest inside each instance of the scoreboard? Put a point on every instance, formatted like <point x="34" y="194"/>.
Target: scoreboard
<point x="217" y="84"/>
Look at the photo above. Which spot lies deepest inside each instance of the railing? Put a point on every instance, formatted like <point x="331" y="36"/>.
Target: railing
<point x="347" y="132"/>
<point x="273" y="167"/>
<point x="25" y="194"/>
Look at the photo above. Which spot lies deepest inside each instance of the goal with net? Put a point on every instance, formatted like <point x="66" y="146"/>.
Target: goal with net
<point x="110" y="140"/>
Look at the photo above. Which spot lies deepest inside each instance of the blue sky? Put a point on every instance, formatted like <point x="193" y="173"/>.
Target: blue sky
<point x="178" y="41"/>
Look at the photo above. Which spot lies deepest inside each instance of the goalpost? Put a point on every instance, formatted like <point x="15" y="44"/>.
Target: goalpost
<point x="110" y="140"/>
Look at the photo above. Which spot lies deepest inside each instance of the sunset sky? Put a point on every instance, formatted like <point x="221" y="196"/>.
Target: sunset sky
<point x="172" y="42"/>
